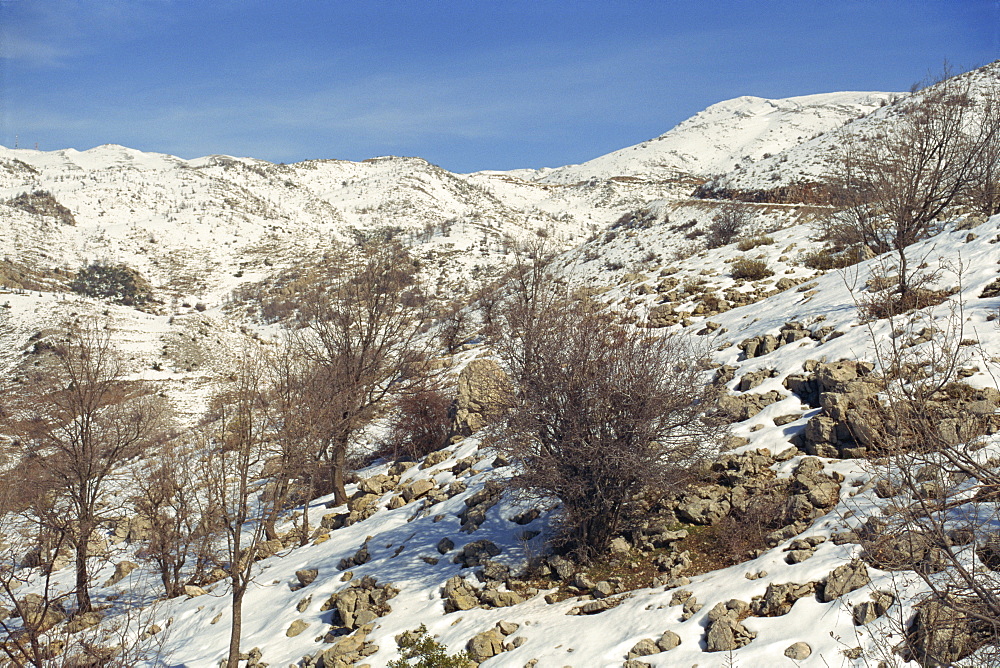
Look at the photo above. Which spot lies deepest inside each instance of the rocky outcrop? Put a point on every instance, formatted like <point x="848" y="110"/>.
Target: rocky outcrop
<point x="744" y="406"/>
<point x="847" y="426"/>
<point x="725" y="631"/>
<point x="361" y="603"/>
<point x="942" y="634"/>
<point x="460" y="594"/>
<point x="488" y="644"/>
<point x="778" y="599"/>
<point x="843" y="579"/>
<point x="481" y="387"/>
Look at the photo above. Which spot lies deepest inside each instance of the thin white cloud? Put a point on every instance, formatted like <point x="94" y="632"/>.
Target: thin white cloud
<point x="31" y="51"/>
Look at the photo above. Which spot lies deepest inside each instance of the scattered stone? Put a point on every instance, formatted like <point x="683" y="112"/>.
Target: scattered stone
<point x="668" y="641"/>
<point x="306" y="576"/>
<point x="445" y="545"/>
<point x="644" y="647"/>
<point x="843" y="579"/>
<point x="122" y="569"/>
<point x="296" y="627"/>
<point x="798" y="651"/>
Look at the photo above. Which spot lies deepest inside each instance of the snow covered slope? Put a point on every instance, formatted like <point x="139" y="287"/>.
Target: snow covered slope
<point x="723" y="136"/>
<point x="812" y="160"/>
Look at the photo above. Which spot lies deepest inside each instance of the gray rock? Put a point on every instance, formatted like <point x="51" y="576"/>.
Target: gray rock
<point x="778" y="599"/>
<point x="564" y="568"/>
<point x="485" y="645"/>
<point x="941" y="634"/>
<point x="476" y="552"/>
<point x="296" y="627"/>
<point x="306" y="576"/>
<point x="845" y="578"/>
<point x="668" y="641"/>
<point x="122" y="569"/>
<point x="869" y="611"/>
<point x="798" y="651"/>
<point x="644" y="647"/>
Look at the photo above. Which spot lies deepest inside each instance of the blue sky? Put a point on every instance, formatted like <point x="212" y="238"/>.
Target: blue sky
<point x="472" y="84"/>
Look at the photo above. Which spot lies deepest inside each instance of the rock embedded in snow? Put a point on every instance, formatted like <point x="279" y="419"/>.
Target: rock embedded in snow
<point x="798" y="651"/>
<point x="306" y="576"/>
<point x="296" y="627"/>
<point x="644" y="647"/>
<point x="485" y="645"/>
<point x="668" y="641"/>
<point x="122" y="569"/>
<point x="843" y="579"/>
<point x="725" y="632"/>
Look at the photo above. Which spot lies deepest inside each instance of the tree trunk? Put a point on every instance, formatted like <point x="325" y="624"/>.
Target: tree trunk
<point x="304" y="531"/>
<point x="237" y="627"/>
<point x="83" y="602"/>
<point x="337" y="466"/>
<point x="904" y="278"/>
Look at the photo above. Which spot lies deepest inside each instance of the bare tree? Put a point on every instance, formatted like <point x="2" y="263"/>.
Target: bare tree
<point x="726" y="225"/>
<point x="894" y="187"/>
<point x="596" y="411"/>
<point x="926" y="430"/>
<point x="297" y="415"/>
<point x="362" y="332"/>
<point x="84" y="420"/>
<point x="22" y="487"/>
<point x="169" y="497"/>
<point x="236" y="452"/>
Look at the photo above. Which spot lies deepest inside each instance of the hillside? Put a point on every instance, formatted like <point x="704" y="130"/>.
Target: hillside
<point x="783" y="549"/>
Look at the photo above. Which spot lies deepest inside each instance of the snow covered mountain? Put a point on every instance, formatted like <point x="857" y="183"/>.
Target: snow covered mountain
<point x="724" y="135"/>
<point x="812" y="160"/>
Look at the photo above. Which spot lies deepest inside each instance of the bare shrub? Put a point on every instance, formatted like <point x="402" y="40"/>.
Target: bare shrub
<point x="753" y="242"/>
<point x="80" y="421"/>
<point x="420" y="425"/>
<point x="361" y="330"/>
<point x="939" y="482"/>
<point x="596" y="411"/>
<point x="894" y="187"/>
<point x="726" y="225"/>
<point x="750" y="269"/>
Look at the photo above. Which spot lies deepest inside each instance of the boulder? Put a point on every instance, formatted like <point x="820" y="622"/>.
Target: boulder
<point x="476" y="552"/>
<point x="725" y="632"/>
<point x="869" y="611"/>
<point x="306" y="576"/>
<point x="843" y="579"/>
<point x="296" y="627"/>
<point x="798" y="651"/>
<point x="942" y="634"/>
<point x="122" y="569"/>
<point x="778" y="599"/>
<point x="485" y="645"/>
<point x="644" y="647"/>
<point x="482" y="385"/>
<point x="668" y="641"/>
